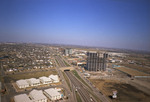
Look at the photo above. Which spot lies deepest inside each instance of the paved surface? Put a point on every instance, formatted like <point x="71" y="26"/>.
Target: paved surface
<point x="102" y="97"/>
<point x="82" y="91"/>
<point x="71" y="96"/>
<point x="80" y="88"/>
<point x="60" y="61"/>
<point x="75" y="83"/>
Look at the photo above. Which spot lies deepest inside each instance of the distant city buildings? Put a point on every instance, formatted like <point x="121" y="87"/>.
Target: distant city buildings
<point x="96" y="61"/>
<point x="68" y="51"/>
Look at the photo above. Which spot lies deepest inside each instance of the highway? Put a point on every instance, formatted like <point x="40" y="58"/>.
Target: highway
<point x="80" y="88"/>
<point x="60" y="61"/>
<point x="102" y="97"/>
<point x="64" y="84"/>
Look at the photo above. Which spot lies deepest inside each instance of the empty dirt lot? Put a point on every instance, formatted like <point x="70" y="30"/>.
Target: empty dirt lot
<point x="126" y="92"/>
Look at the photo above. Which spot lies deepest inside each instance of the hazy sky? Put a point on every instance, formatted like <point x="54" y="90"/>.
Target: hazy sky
<point x="104" y="23"/>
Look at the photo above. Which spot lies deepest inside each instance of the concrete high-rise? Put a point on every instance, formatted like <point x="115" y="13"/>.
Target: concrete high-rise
<point x="68" y="51"/>
<point x="96" y="61"/>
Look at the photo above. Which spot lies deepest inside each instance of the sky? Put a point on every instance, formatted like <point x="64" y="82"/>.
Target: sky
<point x="101" y="23"/>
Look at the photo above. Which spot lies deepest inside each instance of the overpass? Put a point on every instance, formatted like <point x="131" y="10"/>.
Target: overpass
<point x="66" y="68"/>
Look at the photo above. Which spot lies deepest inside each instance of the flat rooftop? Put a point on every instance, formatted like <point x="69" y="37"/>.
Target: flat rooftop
<point x="22" y="98"/>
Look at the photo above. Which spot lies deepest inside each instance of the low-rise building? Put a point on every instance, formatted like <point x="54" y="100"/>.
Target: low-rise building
<point x="22" y="83"/>
<point x="54" y="78"/>
<point x="37" y="96"/>
<point x="86" y="75"/>
<point x="45" y="80"/>
<point x="22" y="98"/>
<point x="33" y="82"/>
<point x="53" y="94"/>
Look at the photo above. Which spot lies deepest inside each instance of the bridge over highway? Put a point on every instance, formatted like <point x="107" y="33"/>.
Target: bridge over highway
<point x="66" y="68"/>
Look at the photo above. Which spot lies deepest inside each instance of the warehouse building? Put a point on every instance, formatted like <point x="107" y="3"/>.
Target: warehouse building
<point x="54" y="78"/>
<point x="33" y="82"/>
<point x="37" y="96"/>
<point x="53" y="94"/>
<point x="45" y="80"/>
<point x="22" y="83"/>
<point x="22" y="98"/>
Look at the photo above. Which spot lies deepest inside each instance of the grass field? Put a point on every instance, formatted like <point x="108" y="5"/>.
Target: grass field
<point x="78" y="97"/>
<point x="132" y="72"/>
<point x="57" y="62"/>
<point x="76" y="74"/>
<point x="126" y="92"/>
<point x="14" y="77"/>
<point x="66" y="63"/>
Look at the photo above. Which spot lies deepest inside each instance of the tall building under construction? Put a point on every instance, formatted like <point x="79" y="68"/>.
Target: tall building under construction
<point x="96" y="61"/>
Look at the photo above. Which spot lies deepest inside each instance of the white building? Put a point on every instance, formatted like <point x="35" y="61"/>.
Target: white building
<point x="68" y="51"/>
<point x="33" y="82"/>
<point x="86" y="75"/>
<point x="53" y="94"/>
<point x="45" y="80"/>
<point x="22" y="98"/>
<point x="54" y="78"/>
<point x="22" y="83"/>
<point x="37" y="96"/>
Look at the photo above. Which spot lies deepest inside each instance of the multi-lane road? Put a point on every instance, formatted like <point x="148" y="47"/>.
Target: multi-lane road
<point x="86" y="97"/>
<point x="82" y="89"/>
<point x="60" y="61"/>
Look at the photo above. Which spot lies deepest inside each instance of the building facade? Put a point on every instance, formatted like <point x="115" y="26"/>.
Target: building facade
<point x="33" y="82"/>
<point x="22" y="98"/>
<point x="68" y="51"/>
<point x="37" y="96"/>
<point x="54" y="78"/>
<point x="53" y="94"/>
<point x="45" y="80"/>
<point x="96" y="61"/>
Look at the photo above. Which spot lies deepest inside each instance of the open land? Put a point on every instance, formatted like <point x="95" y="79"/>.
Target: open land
<point x="132" y="72"/>
<point x="126" y="92"/>
<point x="137" y="67"/>
<point x="15" y="77"/>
